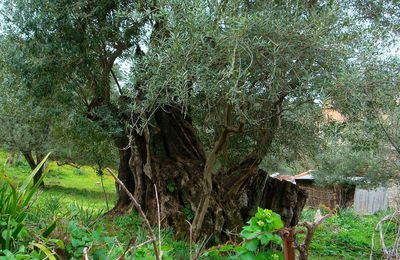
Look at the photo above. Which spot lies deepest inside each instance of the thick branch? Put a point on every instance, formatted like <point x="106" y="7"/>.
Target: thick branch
<point x="29" y="158"/>
<point x="120" y="47"/>
<point x="77" y="166"/>
<point x="235" y="177"/>
<point x="208" y="169"/>
<point x="116" y="82"/>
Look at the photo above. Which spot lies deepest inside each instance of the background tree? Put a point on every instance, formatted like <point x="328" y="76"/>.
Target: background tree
<point x="35" y="125"/>
<point x="24" y="124"/>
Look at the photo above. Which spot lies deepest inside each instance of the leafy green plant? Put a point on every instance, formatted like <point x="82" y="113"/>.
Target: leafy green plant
<point x="260" y="240"/>
<point x="170" y="187"/>
<point x="15" y="201"/>
<point x="34" y="250"/>
<point x="86" y="215"/>
<point x="188" y="213"/>
<point x="99" y="245"/>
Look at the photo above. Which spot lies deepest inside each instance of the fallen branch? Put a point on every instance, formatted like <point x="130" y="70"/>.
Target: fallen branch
<point x="74" y="165"/>
<point x="140" y="211"/>
<point x="128" y="247"/>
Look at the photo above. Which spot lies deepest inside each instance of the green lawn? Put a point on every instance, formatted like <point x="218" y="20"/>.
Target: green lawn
<point x="81" y="186"/>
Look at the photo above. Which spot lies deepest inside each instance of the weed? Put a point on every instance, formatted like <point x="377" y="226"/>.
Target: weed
<point x="87" y="216"/>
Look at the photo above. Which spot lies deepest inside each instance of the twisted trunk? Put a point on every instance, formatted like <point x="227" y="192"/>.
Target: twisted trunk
<point x="171" y="156"/>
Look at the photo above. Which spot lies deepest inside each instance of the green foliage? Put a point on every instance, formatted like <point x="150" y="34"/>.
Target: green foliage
<point x="15" y="202"/>
<point x="346" y="235"/>
<point x="86" y="216"/>
<point x="343" y="165"/>
<point x="35" y="250"/>
<point x="108" y="247"/>
<point x="188" y="213"/>
<point x="63" y="185"/>
<point x="260" y="240"/>
<point x="101" y="246"/>
<point x="170" y="187"/>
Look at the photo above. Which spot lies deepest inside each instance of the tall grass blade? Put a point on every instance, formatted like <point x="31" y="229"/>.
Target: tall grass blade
<point x="29" y="179"/>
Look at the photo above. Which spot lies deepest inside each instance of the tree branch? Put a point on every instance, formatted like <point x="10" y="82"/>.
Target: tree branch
<point x="120" y="47"/>
<point x="116" y="82"/>
<point x="208" y="169"/>
<point x="311" y="227"/>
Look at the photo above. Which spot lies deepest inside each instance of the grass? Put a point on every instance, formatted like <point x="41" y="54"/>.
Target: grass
<point x="76" y="195"/>
<point x="70" y="184"/>
<point x="346" y="235"/>
<point x="73" y="194"/>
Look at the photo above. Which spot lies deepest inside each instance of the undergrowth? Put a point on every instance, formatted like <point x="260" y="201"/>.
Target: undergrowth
<point x="345" y="235"/>
<point x="75" y="200"/>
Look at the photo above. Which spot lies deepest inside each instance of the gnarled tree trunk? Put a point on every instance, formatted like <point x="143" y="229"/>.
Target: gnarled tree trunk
<point x="171" y="156"/>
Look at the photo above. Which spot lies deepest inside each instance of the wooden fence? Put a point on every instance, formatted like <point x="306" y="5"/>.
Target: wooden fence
<point x="318" y="197"/>
<point x="370" y="201"/>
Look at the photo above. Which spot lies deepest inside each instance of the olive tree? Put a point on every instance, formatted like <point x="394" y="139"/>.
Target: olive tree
<point x="213" y="88"/>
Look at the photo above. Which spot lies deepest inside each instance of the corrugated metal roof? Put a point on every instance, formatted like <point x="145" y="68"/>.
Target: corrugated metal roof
<point x="292" y="178"/>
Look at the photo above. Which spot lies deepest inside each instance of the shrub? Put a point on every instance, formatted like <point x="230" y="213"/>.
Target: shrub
<point x="260" y="240"/>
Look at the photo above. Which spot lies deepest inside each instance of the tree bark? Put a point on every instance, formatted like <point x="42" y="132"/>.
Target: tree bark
<point x="170" y="155"/>
<point x="19" y="157"/>
<point x="10" y="159"/>
<point x="124" y="174"/>
<point x="33" y="164"/>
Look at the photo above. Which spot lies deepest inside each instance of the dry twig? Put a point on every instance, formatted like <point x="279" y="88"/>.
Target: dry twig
<point x="388" y="253"/>
<point x="85" y="253"/>
<point x="158" y="221"/>
<point x="140" y="211"/>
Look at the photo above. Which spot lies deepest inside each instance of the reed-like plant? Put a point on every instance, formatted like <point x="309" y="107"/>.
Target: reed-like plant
<point x="15" y="201"/>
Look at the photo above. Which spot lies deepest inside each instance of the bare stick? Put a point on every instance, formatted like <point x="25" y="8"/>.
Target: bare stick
<point x="140" y="245"/>
<point x="140" y="211"/>
<point x="389" y="253"/>
<point x="132" y="240"/>
<point x="159" y="221"/>
<point x="85" y="253"/>
<point x="190" y="240"/>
